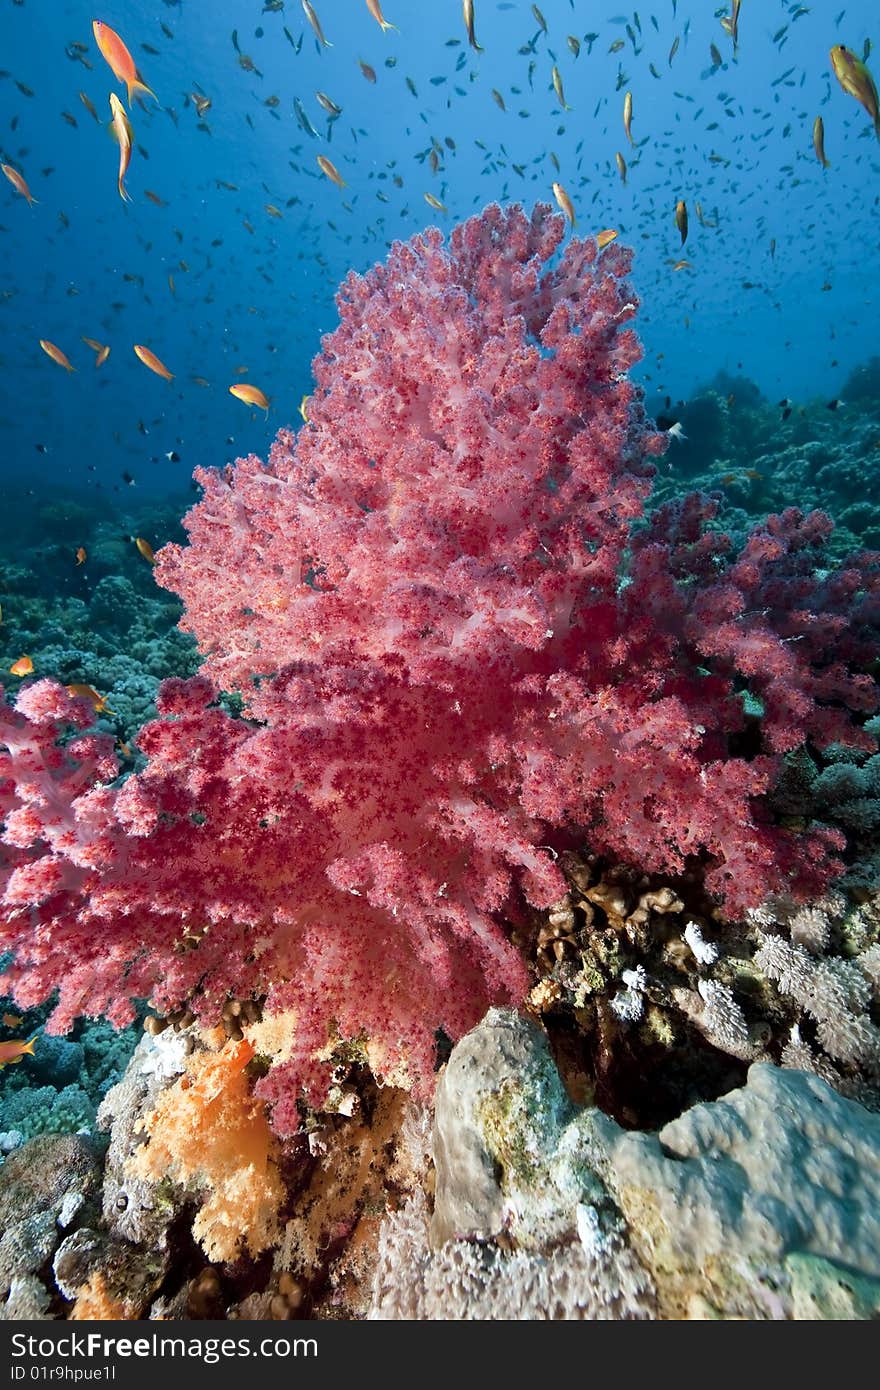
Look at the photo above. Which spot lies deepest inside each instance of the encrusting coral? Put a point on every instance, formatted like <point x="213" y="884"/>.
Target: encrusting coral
<point x="456" y="659"/>
<point x="630" y="975"/>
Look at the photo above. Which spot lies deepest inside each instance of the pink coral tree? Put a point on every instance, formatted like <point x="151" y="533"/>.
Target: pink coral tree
<point x="456" y="658"/>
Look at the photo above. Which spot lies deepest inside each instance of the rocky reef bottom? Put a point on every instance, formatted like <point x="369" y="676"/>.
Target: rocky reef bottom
<point x="508" y="1201"/>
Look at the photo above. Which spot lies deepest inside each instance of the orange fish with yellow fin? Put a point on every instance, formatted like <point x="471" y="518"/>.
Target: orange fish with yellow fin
<point x="145" y="549"/>
<point x="13" y="1051"/>
<point x="57" y="355"/>
<point x="119" y="60"/>
<point x="101" y="350"/>
<point x="19" y="182"/>
<point x="150" y="360"/>
<point x="329" y="169"/>
<point x="80" y="691"/>
<point x="251" y="395"/>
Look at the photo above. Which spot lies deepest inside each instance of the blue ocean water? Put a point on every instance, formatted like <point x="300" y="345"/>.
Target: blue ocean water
<point x="780" y="275"/>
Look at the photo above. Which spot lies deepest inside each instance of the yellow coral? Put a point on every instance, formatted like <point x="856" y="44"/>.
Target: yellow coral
<point x="208" y="1129"/>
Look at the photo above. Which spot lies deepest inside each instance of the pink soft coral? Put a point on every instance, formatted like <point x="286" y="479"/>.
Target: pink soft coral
<point x="474" y="457"/>
<point x="445" y="681"/>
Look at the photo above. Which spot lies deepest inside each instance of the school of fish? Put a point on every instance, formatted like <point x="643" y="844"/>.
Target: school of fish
<point x="665" y="189"/>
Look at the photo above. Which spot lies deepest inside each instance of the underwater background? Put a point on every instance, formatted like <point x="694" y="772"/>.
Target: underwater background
<point x="758" y="326"/>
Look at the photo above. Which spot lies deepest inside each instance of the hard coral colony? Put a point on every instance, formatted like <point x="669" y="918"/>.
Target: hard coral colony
<point x="459" y="654"/>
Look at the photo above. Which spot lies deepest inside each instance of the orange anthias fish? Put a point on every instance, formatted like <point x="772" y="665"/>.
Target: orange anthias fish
<point x="564" y="203"/>
<point x="145" y="549"/>
<point x="118" y="58"/>
<point x="856" y="81"/>
<point x="18" y="181"/>
<point x="23" y="667"/>
<point x="681" y="219"/>
<point x="81" y="555"/>
<point x="124" y="136"/>
<point x="101" y="350"/>
<point x="251" y="395"/>
<point x="150" y="360"/>
<point x="605" y="238"/>
<point x="12" y="1052"/>
<point x="329" y="168"/>
<point x="88" y="692"/>
<point x="376" y="11"/>
<point x="57" y="355"/>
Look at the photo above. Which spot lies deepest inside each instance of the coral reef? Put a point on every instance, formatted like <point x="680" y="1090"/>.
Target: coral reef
<point x="58" y="1089"/>
<point x="176" y="1224"/>
<point x="479" y="1281"/>
<point x="102" y="622"/>
<point x="653" y="1000"/>
<point x="755" y="457"/>
<point x="484" y="713"/>
<point x="48" y="1187"/>
<point x="446" y="681"/>
<point x="862" y="386"/>
<point x="761" y="1204"/>
<point x="832" y="997"/>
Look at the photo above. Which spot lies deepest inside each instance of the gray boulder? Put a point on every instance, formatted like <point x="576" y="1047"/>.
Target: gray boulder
<point x="763" y="1204"/>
